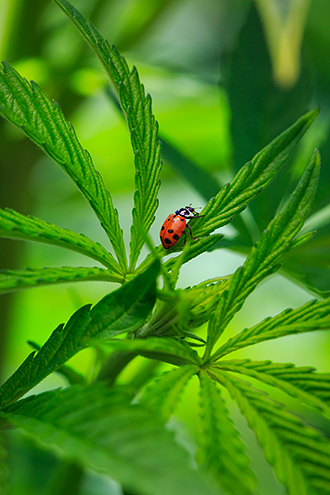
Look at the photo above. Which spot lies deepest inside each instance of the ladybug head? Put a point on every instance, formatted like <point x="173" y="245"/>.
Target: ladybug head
<point x="187" y="212"/>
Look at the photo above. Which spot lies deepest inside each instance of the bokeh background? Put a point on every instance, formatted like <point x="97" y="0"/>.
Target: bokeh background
<point x="226" y="77"/>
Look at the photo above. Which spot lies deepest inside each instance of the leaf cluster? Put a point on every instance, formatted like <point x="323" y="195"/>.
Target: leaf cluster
<point x="123" y="429"/>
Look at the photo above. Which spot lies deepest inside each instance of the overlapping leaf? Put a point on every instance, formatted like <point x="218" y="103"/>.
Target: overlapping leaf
<point x="142" y="125"/>
<point x="265" y="255"/>
<point x="303" y="382"/>
<point x="123" y="310"/>
<point x="299" y="454"/>
<point x="97" y="427"/>
<point x="314" y="315"/>
<point x="14" y="225"/>
<point x="27" y="106"/>
<point x="221" y="450"/>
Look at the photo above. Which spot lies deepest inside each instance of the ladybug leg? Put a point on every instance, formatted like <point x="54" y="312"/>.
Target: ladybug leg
<point x="193" y="238"/>
<point x="185" y="237"/>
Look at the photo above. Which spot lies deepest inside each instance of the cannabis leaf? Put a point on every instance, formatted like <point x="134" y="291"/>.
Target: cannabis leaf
<point x="278" y="238"/>
<point x="302" y="382"/>
<point x="163" y="394"/>
<point x="299" y="454"/>
<point x="314" y="315"/>
<point x="26" y="105"/>
<point x="221" y="449"/>
<point x="22" y="279"/>
<point x="96" y="426"/>
<point x="252" y="178"/>
<point x="123" y="310"/>
<point x="14" y="225"/>
<point x="142" y="126"/>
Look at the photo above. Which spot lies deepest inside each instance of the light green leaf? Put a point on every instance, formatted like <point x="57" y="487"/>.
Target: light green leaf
<point x="142" y="126"/>
<point x="263" y="259"/>
<point x="42" y="120"/>
<point x="252" y="178"/>
<point x="299" y="454"/>
<point x="96" y="426"/>
<point x="123" y="310"/>
<point x="221" y="449"/>
<point x="314" y="315"/>
<point x="164" y="392"/>
<point x="14" y="225"/>
<point x="166" y="349"/>
<point x="11" y="280"/>
<point x="302" y="382"/>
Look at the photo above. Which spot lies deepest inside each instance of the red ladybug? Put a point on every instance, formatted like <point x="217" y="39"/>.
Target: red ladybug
<point x="174" y="226"/>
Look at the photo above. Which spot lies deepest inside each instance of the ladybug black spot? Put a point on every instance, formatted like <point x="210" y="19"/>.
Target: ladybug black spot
<point x="163" y="228"/>
<point x="182" y="219"/>
<point x="176" y="237"/>
<point x="167" y="241"/>
<point x="170" y="231"/>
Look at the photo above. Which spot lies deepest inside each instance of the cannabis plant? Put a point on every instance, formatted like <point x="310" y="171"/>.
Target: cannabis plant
<point x="123" y="429"/>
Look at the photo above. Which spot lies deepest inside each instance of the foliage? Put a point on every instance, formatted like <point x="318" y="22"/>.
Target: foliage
<point x="123" y="429"/>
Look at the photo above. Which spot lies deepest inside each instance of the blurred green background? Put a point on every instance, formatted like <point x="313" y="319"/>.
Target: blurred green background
<point x="225" y="76"/>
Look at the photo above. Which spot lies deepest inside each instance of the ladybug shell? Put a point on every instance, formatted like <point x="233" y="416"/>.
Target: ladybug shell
<point x="172" y="230"/>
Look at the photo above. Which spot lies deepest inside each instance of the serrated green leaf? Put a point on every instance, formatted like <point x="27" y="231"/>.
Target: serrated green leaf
<point x="221" y="449"/>
<point x="163" y="394"/>
<point x="299" y="454"/>
<point x="96" y="426"/>
<point x="303" y="382"/>
<point x="263" y="259"/>
<point x="314" y="315"/>
<point x="14" y="225"/>
<point x="252" y="178"/>
<point x="72" y="376"/>
<point x="142" y="126"/>
<point x="123" y="310"/>
<point x="11" y="280"/>
<point x="27" y="107"/>
<point x="166" y="349"/>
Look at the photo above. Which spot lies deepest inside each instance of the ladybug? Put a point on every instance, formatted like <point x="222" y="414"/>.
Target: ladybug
<point x="174" y="226"/>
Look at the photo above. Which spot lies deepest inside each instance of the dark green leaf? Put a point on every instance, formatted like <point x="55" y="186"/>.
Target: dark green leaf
<point x="221" y="449"/>
<point x="96" y="426"/>
<point x="260" y="109"/>
<point x="123" y="310"/>
<point x="309" y="264"/>
<point x="299" y="454"/>
<point x="204" y="183"/>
